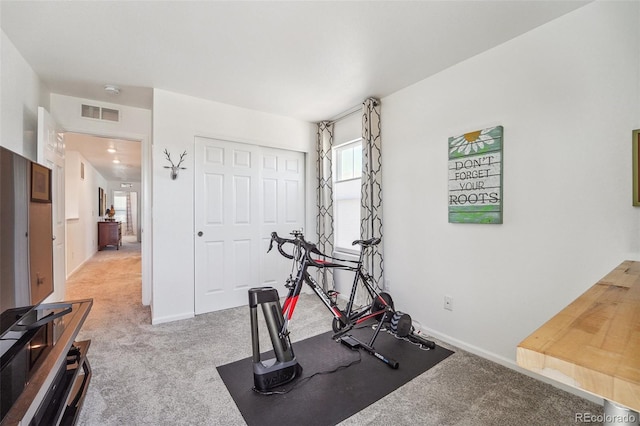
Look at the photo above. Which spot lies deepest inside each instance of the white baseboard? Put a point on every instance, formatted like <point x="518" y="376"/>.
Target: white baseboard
<point x="78" y="267"/>
<point x="170" y="318"/>
<point x="508" y="363"/>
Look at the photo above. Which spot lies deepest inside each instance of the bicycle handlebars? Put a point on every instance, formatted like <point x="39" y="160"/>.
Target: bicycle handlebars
<point x="281" y="242"/>
<point x="298" y="241"/>
<point x="309" y="248"/>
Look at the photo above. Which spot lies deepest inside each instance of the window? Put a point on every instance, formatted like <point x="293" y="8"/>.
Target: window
<point x="348" y="159"/>
<point x="347" y="174"/>
<point x="120" y="205"/>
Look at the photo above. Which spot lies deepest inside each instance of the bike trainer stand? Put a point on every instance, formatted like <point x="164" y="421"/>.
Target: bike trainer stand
<point x="353" y="343"/>
<point x="284" y="367"/>
<point x="400" y="326"/>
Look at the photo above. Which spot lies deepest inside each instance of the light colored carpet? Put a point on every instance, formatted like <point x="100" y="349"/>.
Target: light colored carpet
<point x="166" y="374"/>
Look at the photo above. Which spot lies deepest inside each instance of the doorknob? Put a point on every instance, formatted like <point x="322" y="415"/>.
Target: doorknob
<point x="200" y="234"/>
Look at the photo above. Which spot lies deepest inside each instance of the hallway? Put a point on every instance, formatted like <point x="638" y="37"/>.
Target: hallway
<point x="113" y="279"/>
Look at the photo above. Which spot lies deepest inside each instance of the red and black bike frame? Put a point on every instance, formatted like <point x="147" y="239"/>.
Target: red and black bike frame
<point x="347" y="318"/>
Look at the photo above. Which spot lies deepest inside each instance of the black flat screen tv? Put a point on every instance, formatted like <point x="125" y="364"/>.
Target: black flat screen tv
<point x="26" y="239"/>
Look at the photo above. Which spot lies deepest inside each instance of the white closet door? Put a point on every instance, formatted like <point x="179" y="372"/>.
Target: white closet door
<point x="242" y="193"/>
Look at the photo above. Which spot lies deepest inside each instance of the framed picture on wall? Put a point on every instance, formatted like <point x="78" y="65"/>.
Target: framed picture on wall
<point x="40" y="183"/>
<point x="100" y="202"/>
<point x="635" y="155"/>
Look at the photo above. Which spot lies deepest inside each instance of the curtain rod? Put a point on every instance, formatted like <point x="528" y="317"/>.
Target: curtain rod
<point x="346" y="113"/>
<point x="349" y="112"/>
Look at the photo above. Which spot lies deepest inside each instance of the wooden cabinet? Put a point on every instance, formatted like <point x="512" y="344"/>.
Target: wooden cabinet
<point x="109" y="234"/>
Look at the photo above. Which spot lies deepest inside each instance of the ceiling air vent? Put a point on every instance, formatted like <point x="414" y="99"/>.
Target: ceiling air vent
<point x="99" y="113"/>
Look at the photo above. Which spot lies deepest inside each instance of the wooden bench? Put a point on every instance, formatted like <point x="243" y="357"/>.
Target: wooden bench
<point x="594" y="343"/>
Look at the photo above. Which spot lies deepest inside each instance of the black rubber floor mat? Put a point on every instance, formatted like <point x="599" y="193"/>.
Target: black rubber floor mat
<point x="336" y="382"/>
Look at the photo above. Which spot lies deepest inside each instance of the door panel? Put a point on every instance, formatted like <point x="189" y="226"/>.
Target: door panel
<point x="215" y="203"/>
<point x="270" y="201"/>
<point x="51" y="154"/>
<point x="282" y="175"/>
<point x="291" y="195"/>
<point x="242" y="199"/>
<point x="242" y="194"/>
<point x="214" y="267"/>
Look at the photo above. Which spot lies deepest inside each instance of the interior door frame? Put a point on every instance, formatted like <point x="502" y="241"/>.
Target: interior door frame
<point x="52" y="155"/>
<point x="146" y="222"/>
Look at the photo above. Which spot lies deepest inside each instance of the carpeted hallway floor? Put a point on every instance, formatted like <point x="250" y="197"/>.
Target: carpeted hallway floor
<point x="166" y="374"/>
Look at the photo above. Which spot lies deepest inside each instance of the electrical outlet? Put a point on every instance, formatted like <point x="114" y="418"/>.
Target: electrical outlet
<point x="448" y="303"/>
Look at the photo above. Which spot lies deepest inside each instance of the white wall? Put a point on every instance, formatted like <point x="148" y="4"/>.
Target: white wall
<point x="568" y="97"/>
<point x="82" y="230"/>
<point x="21" y="92"/>
<point x="134" y="124"/>
<point x="177" y="119"/>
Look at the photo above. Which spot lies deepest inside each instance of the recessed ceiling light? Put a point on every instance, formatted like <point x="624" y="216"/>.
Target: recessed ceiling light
<point x="111" y="89"/>
<point x="111" y="150"/>
<point x="116" y="161"/>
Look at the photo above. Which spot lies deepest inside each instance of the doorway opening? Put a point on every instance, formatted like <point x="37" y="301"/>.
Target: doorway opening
<point x="113" y="166"/>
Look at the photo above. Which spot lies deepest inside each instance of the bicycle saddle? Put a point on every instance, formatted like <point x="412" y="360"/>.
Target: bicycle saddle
<point x="367" y="243"/>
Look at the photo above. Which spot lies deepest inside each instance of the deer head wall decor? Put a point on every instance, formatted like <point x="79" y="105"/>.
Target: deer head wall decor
<point x="174" y="167"/>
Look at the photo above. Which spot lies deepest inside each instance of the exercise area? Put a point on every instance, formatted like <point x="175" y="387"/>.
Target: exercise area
<point x="378" y="315"/>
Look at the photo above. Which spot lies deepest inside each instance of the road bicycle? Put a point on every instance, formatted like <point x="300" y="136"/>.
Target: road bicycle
<point x="306" y="255"/>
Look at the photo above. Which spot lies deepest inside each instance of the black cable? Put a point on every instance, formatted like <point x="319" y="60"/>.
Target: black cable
<point x="406" y="339"/>
<point x="306" y="379"/>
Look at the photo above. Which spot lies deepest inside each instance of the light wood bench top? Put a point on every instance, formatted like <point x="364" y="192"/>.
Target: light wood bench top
<point x="594" y="343"/>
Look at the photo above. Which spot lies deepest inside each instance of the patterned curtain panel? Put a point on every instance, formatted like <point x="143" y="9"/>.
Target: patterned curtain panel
<point x="324" y="225"/>
<point x="371" y="200"/>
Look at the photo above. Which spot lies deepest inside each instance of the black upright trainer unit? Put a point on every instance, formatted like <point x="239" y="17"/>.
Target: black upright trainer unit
<point x="284" y="367"/>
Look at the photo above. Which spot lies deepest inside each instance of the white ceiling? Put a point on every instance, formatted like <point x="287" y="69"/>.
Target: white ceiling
<point x="310" y="60"/>
<point x="123" y="165"/>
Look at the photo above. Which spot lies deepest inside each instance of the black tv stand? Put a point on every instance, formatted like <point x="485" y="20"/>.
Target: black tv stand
<point x="59" y="374"/>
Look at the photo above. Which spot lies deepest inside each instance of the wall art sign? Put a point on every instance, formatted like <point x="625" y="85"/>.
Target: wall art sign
<point x="475" y="177"/>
